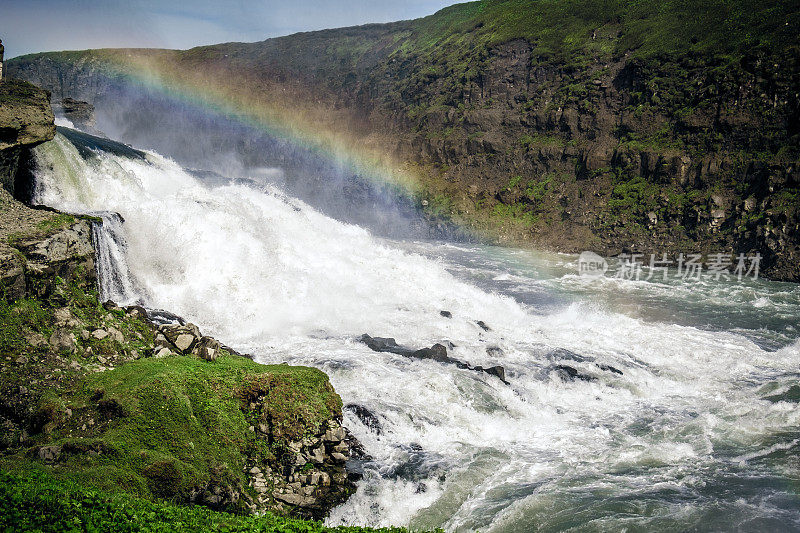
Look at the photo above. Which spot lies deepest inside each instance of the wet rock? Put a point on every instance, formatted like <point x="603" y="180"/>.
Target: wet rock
<point x="110" y="306"/>
<point x="161" y="317"/>
<point x="494" y="351"/>
<point x="366" y="417"/>
<point x="497" y="371"/>
<point x="609" y="368"/>
<point x="379" y="344"/>
<point x="437" y="352"/>
<point x="568" y="373"/>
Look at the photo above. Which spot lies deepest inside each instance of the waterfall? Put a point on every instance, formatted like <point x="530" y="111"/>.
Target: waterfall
<point x="681" y="422"/>
<point x="113" y="274"/>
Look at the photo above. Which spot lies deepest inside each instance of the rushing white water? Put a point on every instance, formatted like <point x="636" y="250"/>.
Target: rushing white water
<point x="684" y="438"/>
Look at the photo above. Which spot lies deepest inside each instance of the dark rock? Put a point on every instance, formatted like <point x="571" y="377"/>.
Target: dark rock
<point x="446" y="314"/>
<point x="609" y="368"/>
<point x="498" y="371"/>
<point x="162" y="317"/>
<point x="483" y="325"/>
<point x="379" y="344"/>
<point x="367" y="417"/>
<point x="437" y="352"/>
<point x="569" y="373"/>
<point x="109" y="305"/>
<point x="494" y="350"/>
<point x="136" y="311"/>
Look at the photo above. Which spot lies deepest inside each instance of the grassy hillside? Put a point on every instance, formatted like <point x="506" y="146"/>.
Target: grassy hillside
<point x="570" y="124"/>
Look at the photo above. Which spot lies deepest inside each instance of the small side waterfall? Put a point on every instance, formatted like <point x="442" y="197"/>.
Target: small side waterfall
<point x="113" y="274"/>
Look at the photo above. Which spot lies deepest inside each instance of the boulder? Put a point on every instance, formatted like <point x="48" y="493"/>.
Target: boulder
<point x="207" y="348"/>
<point x="437" y="352"/>
<point x="12" y="273"/>
<point x="63" y="340"/>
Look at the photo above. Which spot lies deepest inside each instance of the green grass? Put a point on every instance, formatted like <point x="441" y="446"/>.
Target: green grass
<point x="166" y="426"/>
<point x="35" y="501"/>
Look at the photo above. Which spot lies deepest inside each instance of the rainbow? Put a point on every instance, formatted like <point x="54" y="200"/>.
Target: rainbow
<point x="266" y="107"/>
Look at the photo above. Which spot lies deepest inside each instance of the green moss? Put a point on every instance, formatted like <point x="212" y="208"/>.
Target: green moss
<point x="165" y="424"/>
<point x="18" y="318"/>
<point x="56" y="222"/>
<point x="35" y="501"/>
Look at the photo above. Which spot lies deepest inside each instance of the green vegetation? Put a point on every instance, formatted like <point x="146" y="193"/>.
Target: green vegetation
<point x="35" y="501"/>
<point x="163" y="427"/>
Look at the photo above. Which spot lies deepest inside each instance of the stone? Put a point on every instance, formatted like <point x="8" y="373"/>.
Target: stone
<point x="184" y="342"/>
<point x="12" y="273"/>
<point x="446" y="314"/>
<point x="163" y="352"/>
<point x="63" y="340"/>
<point x="116" y="334"/>
<point x="63" y="317"/>
<point x="49" y="453"/>
<point x="85" y="334"/>
<point x="136" y="311"/>
<point x="208" y="349"/>
<point x="317" y="455"/>
<point x="291" y="498"/>
<point x="334" y="435"/>
<point x="255" y="470"/>
<point x="34" y="338"/>
<point x="99" y="334"/>
<point x="338" y="457"/>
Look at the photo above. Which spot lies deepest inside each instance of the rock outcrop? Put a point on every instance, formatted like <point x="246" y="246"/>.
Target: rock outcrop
<point x="612" y="138"/>
<point x="437" y="353"/>
<point x="26" y="120"/>
<point x="80" y="113"/>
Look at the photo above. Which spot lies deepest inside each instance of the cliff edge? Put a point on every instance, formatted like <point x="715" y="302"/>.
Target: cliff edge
<point x="26" y="120"/>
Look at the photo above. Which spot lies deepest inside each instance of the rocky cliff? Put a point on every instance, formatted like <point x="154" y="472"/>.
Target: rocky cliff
<point x="612" y="126"/>
<point x="26" y="120"/>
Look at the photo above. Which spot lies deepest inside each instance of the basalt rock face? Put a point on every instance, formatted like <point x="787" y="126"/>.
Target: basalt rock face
<point x="636" y="133"/>
<point x="26" y="120"/>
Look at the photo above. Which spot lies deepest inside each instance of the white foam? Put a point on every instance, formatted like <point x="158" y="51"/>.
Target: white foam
<point x="269" y="274"/>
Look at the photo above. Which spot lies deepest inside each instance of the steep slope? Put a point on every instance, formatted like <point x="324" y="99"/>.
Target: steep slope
<point x="613" y="125"/>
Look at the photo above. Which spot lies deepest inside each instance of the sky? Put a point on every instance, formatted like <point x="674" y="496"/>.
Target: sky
<point x="28" y="26"/>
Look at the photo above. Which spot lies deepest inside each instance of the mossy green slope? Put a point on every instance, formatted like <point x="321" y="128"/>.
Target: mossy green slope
<point x="35" y="501"/>
<point x="164" y="427"/>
